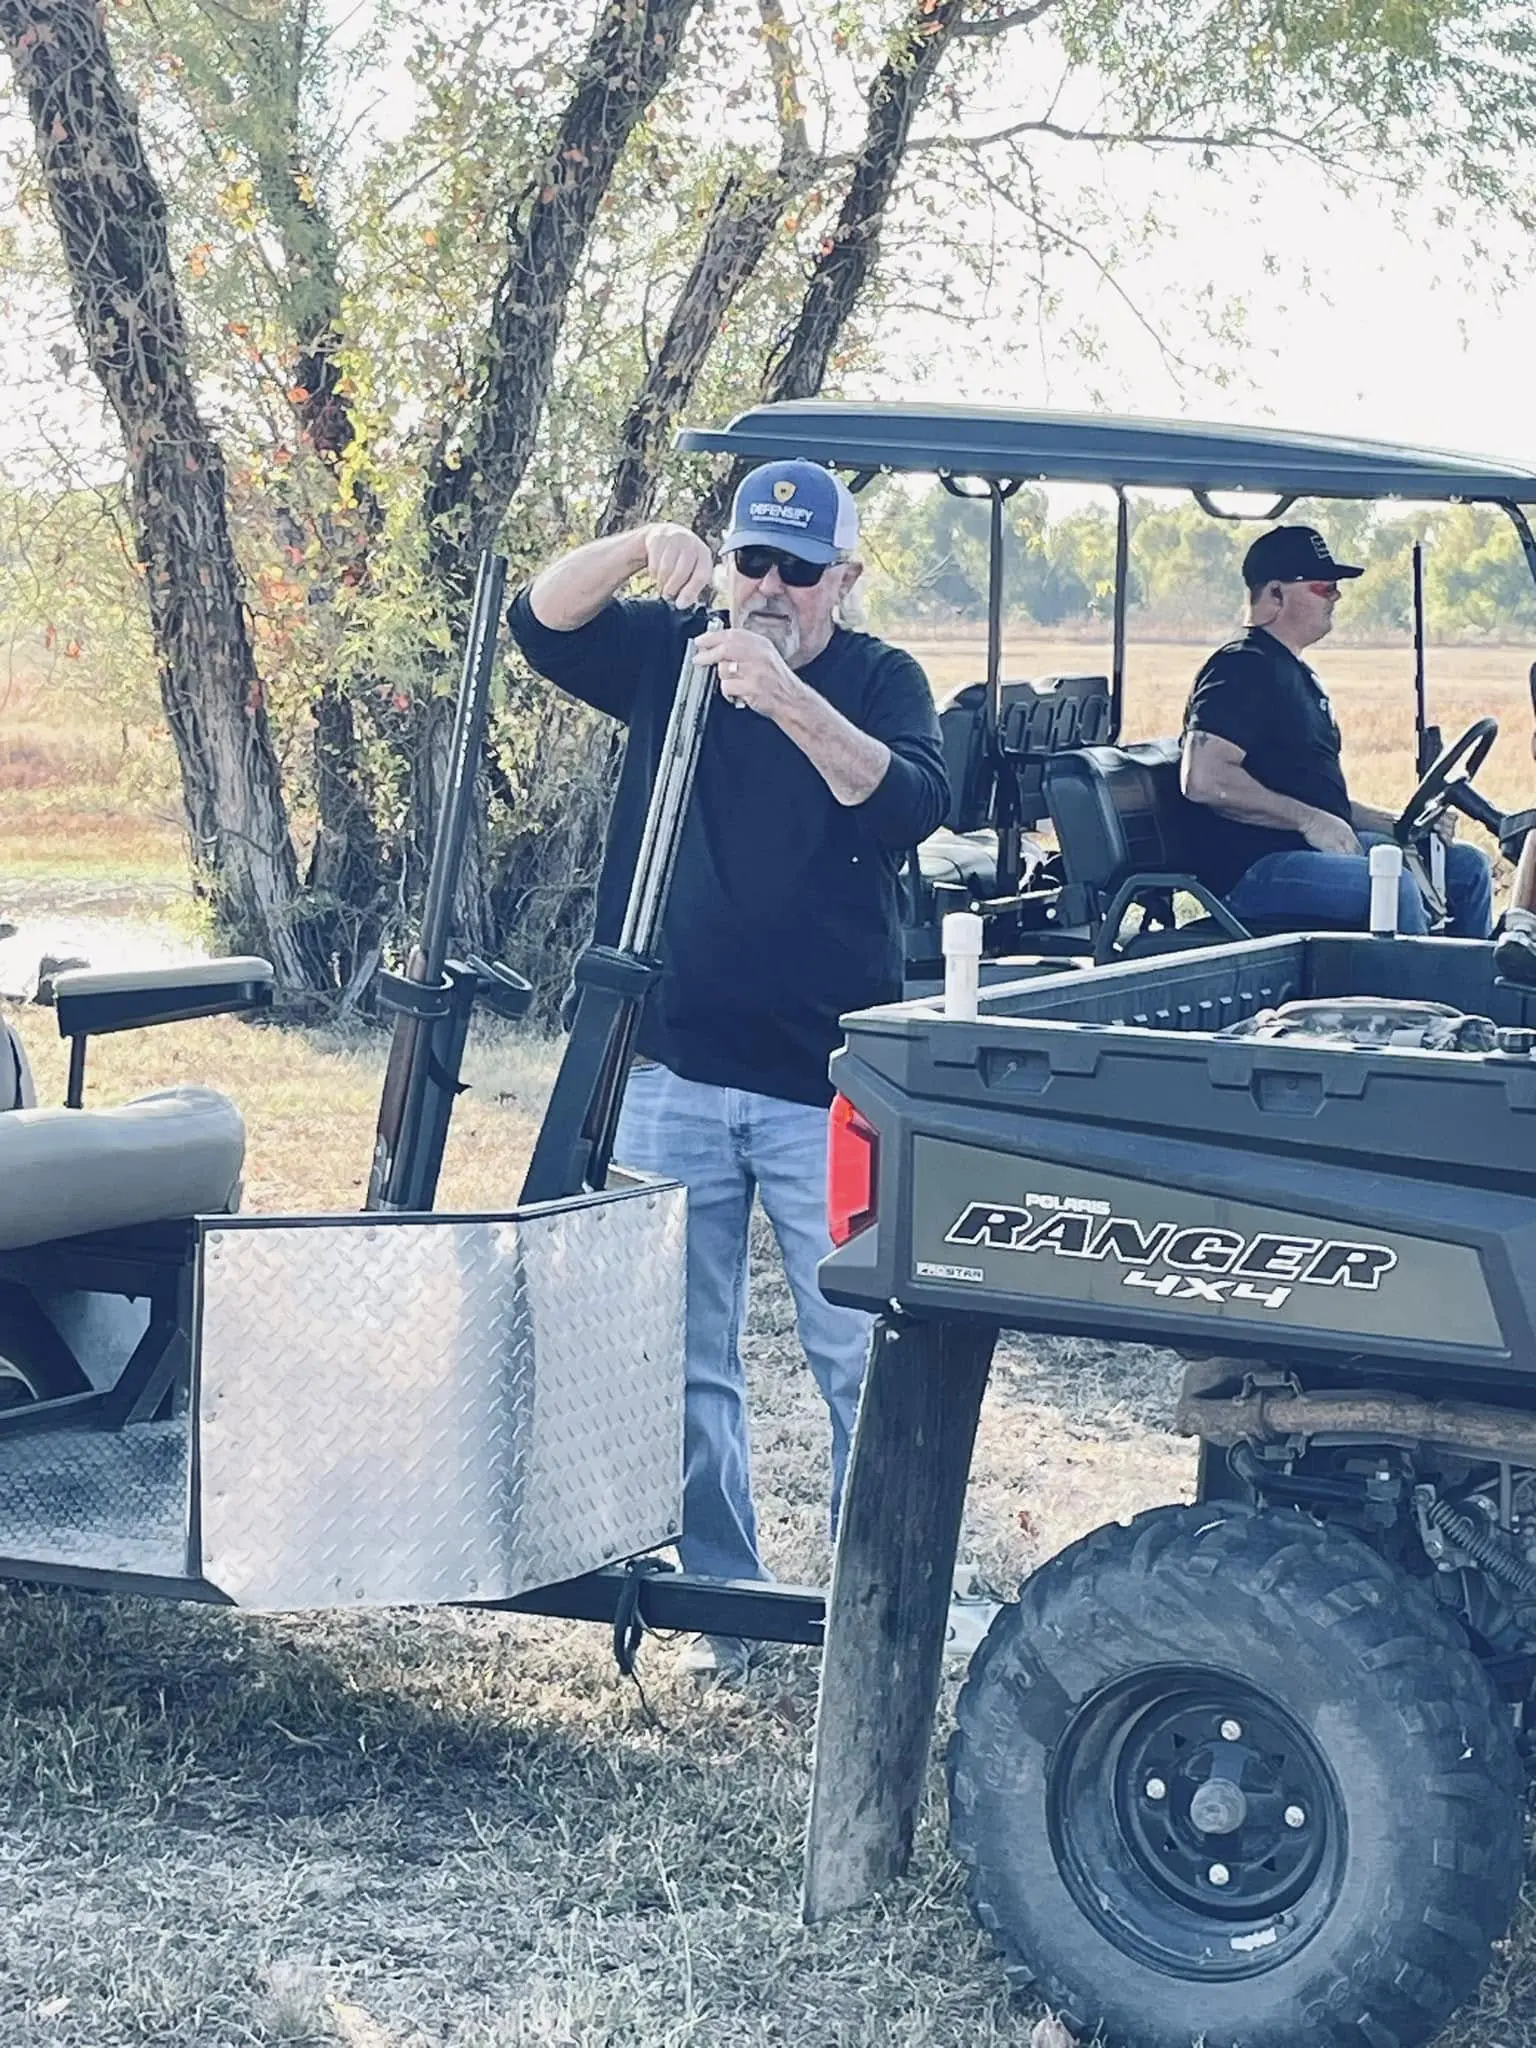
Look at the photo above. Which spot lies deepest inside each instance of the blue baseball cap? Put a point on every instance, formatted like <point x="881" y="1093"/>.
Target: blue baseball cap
<point x="797" y="506"/>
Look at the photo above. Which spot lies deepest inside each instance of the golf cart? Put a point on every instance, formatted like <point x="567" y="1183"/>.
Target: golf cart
<point x="1247" y="1772"/>
<point x="1046" y="752"/>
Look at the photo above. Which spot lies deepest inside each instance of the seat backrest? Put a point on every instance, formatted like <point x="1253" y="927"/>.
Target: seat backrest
<point x="16" y="1090"/>
<point x="1054" y="714"/>
<point x="1039" y="719"/>
<point x="967" y="762"/>
<point x="1119" y="811"/>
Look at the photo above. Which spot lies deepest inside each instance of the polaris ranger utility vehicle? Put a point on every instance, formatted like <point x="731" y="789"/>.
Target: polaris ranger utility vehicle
<point x="1025" y="755"/>
<point x="1246" y="1773"/>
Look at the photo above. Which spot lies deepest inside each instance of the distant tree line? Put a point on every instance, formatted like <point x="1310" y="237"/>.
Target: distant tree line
<point x="928" y="555"/>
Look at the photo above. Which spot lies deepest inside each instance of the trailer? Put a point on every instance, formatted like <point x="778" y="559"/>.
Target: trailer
<point x="399" y="1407"/>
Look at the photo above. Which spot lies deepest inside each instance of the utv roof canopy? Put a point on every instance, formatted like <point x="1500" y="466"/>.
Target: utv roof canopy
<point x="991" y="451"/>
<point x="998" y="444"/>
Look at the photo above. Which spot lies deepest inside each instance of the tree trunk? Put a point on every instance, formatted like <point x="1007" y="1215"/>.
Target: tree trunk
<point x="548" y="873"/>
<point x="798" y="366"/>
<point x="632" y="50"/>
<point x="738" y="234"/>
<point x="348" y="882"/>
<point x="111" y="219"/>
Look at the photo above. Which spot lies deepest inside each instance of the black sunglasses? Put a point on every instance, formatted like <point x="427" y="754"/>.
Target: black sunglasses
<point x="793" y="569"/>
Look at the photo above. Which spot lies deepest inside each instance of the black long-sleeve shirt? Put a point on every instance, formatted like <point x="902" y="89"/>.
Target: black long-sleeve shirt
<point x="783" y="913"/>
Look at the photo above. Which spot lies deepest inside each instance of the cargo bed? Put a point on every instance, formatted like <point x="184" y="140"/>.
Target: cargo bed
<point x="1093" y="1155"/>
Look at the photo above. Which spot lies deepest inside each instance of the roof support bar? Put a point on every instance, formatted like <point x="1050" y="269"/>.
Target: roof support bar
<point x="1523" y="528"/>
<point x="1277" y="510"/>
<point x="1122" y="601"/>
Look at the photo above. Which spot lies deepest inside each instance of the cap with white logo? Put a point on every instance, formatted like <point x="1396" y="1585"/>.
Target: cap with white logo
<point x="797" y="506"/>
<point x="1293" y="554"/>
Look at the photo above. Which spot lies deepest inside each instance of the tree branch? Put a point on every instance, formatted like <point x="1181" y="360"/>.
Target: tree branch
<point x="1001" y="24"/>
<point x="633" y="48"/>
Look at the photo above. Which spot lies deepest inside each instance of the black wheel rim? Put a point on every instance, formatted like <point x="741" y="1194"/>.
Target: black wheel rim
<point x="1196" y="1823"/>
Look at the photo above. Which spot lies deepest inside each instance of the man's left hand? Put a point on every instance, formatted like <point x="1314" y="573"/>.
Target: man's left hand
<point x="1444" y="827"/>
<point x="753" y="675"/>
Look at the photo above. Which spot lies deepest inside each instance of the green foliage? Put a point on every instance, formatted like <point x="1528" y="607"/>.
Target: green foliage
<point x="344" y="184"/>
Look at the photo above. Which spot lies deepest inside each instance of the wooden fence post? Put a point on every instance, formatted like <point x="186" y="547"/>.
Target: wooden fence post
<point x="886" y="1618"/>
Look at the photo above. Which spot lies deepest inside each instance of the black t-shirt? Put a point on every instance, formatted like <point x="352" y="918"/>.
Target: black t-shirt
<point x="783" y="912"/>
<point x="1257" y="694"/>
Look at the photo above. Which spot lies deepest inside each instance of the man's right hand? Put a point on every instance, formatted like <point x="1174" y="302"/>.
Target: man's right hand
<point x="678" y="563"/>
<point x="1325" y="833"/>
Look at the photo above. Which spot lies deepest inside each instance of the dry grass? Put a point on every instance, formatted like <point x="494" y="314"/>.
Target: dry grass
<point x="80" y="795"/>
<point x="440" y="1830"/>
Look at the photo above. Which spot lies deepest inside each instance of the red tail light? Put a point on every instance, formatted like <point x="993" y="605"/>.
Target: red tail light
<point x="853" y="1169"/>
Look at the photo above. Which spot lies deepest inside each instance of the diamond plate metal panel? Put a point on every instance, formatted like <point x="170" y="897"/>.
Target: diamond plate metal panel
<point x="98" y="1500"/>
<point x="606" y="1305"/>
<point x="418" y="1409"/>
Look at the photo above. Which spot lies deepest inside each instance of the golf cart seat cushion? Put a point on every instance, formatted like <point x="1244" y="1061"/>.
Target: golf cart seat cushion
<point x="73" y="1172"/>
<point x="969" y="859"/>
<point x="98" y="981"/>
<point x="1119" y="811"/>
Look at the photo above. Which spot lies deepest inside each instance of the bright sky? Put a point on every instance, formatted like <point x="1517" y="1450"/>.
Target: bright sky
<point x="1355" y="325"/>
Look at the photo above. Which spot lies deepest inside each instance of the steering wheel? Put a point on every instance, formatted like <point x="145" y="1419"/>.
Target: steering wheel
<point x="1443" y="784"/>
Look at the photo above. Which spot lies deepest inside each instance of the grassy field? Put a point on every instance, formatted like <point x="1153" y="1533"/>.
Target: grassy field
<point x="81" y="794"/>
<point x="434" y="1830"/>
<point x="1371" y="689"/>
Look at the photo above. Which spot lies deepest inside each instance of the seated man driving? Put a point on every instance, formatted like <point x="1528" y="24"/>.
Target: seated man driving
<point x="1275" y="832"/>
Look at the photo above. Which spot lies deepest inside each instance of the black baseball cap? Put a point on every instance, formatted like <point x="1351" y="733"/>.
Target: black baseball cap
<point x="1293" y="554"/>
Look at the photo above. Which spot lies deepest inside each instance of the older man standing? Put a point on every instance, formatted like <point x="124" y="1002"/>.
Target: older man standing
<point x="819" y="770"/>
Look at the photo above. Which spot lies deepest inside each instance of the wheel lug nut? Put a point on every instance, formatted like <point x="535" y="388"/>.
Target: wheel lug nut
<point x="1156" y="1789"/>
<point x="1231" y="1731"/>
<point x="1219" y="1874"/>
<point x="1295" y="1816"/>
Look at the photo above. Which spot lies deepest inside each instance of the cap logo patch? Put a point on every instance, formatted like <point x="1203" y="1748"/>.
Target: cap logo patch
<point x="1319" y="546"/>
<point x="784" y="490"/>
<point x="767" y="513"/>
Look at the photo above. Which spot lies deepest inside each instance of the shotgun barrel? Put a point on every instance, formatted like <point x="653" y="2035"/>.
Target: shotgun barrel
<point x="425" y="999"/>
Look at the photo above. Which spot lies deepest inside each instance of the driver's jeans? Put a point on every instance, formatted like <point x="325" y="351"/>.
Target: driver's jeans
<point x="1334" y="889"/>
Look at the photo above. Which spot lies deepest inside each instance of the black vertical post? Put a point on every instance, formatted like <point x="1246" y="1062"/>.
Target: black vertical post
<point x="1122" y="601"/>
<point x="1424" y="753"/>
<point x="1010" y="852"/>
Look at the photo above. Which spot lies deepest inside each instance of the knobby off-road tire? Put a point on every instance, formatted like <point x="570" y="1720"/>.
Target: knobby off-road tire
<point x="1228" y="1776"/>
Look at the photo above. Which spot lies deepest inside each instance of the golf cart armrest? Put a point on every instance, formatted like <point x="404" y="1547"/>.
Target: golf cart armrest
<point x="1134" y="887"/>
<point x="91" y="1003"/>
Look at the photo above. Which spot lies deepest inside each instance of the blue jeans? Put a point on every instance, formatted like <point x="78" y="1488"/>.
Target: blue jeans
<point x="724" y="1144"/>
<point x="1334" y="889"/>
